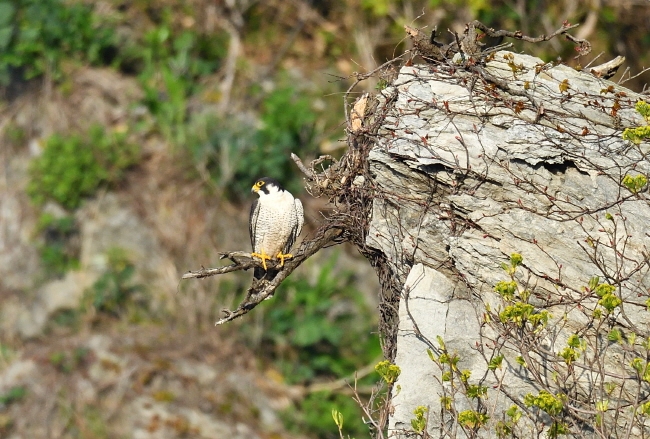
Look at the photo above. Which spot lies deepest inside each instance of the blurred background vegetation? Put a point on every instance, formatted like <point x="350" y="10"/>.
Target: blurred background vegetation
<point x="206" y="96"/>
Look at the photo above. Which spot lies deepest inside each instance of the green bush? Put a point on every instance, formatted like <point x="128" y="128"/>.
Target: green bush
<point x="37" y="35"/>
<point x="235" y="153"/>
<point x="71" y="168"/>
<point x="169" y="68"/>
<point x="58" y="255"/>
<point x="287" y="126"/>
<point x="114" y="291"/>
<point x="318" y="330"/>
<point x="312" y="415"/>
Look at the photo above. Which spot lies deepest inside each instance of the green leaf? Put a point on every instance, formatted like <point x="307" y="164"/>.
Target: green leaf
<point x="615" y="335"/>
<point x="472" y="419"/>
<point x="574" y="341"/>
<point x="495" y="362"/>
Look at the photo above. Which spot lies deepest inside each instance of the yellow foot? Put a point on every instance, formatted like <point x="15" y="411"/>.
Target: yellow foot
<point x="282" y="256"/>
<point x="263" y="256"/>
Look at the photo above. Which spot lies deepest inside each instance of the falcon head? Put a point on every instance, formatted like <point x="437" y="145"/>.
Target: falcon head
<point x="266" y="186"/>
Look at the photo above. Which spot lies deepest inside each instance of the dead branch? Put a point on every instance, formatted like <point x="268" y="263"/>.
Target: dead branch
<point x="308" y="172"/>
<point x="469" y="43"/>
<point x="265" y="288"/>
<point x="241" y="261"/>
<point x="425" y="46"/>
<point x="608" y="69"/>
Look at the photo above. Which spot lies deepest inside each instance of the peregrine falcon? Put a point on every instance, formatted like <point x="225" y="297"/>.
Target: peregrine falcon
<point x="275" y="222"/>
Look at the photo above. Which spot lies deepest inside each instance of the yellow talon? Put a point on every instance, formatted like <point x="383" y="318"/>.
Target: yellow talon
<point x="263" y="256"/>
<point x="283" y="256"/>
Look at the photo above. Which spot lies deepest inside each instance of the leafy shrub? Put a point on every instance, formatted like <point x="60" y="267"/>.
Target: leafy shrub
<point x="114" y="290"/>
<point x="639" y="134"/>
<point x="169" y="67"/>
<point x="288" y="126"/>
<point x="235" y="153"/>
<point x="316" y="330"/>
<point x="58" y="253"/>
<point x="74" y="167"/>
<point x="321" y="328"/>
<point x="37" y="35"/>
<point x="313" y="415"/>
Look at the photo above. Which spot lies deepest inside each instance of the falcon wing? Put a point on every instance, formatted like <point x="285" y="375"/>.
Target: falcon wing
<point x="252" y="221"/>
<point x="297" y="227"/>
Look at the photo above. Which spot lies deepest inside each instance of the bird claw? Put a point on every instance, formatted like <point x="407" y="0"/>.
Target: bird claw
<point x="282" y="256"/>
<point x="263" y="256"/>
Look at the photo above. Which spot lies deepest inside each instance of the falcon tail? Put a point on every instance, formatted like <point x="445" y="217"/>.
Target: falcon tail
<point x="259" y="273"/>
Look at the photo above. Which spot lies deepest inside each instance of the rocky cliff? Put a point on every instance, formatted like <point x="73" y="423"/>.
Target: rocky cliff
<point x="515" y="217"/>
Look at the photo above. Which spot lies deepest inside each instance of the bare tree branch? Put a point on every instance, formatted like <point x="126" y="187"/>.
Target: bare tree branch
<point x="469" y="43"/>
<point x="264" y="288"/>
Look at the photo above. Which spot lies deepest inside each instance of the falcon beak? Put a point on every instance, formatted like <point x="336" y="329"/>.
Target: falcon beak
<point x="254" y="189"/>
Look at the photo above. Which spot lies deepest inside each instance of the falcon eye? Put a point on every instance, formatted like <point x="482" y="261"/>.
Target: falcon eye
<point x="259" y="184"/>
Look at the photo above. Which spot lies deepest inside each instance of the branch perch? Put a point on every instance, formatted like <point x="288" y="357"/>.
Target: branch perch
<point x="264" y="288"/>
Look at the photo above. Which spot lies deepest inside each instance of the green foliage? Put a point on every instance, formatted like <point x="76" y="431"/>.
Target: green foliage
<point x="378" y="8"/>
<point x="644" y="408"/>
<point x="495" y="363"/>
<point x="569" y="355"/>
<point x="310" y="416"/>
<point x="608" y="300"/>
<point x="57" y="255"/>
<point x="114" y="290"/>
<point x="388" y="371"/>
<point x="71" y="168"/>
<point x="476" y="391"/>
<point x="317" y="329"/>
<point x="287" y="126"/>
<point x="506" y="289"/>
<point x="615" y="335"/>
<point x="338" y="419"/>
<point x="14" y="394"/>
<point x="545" y="401"/>
<point x="642" y="368"/>
<point x="451" y="360"/>
<point x="643" y="108"/>
<point x="521" y="361"/>
<point x="636" y="183"/>
<point x="574" y="347"/>
<point x="638" y="134"/>
<point x="515" y="261"/>
<point x="521" y="313"/>
<point x="472" y="419"/>
<point x="37" y="36"/>
<point x="234" y="153"/>
<point x="557" y="429"/>
<point x="218" y="147"/>
<point x="514" y="413"/>
<point x="170" y="65"/>
<point x="419" y="423"/>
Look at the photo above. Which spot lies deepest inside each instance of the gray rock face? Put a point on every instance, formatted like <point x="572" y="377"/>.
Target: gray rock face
<point x="530" y="161"/>
<point x="106" y="223"/>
